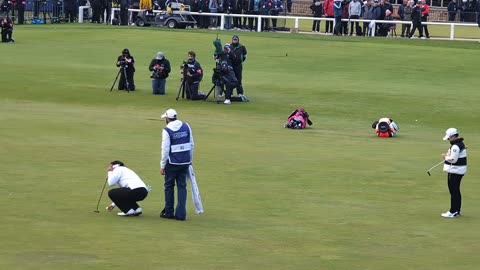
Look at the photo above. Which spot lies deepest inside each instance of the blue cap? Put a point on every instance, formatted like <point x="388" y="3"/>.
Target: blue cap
<point x="235" y="37"/>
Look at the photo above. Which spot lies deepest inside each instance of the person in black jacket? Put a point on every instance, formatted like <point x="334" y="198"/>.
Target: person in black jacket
<point x="317" y="10"/>
<point x="452" y="10"/>
<point x="192" y="76"/>
<point x="161" y="69"/>
<point x="228" y="79"/>
<point x="127" y="63"/>
<point x="416" y="20"/>
<point x="237" y="63"/>
<point x="7" y="29"/>
<point x="21" y="11"/>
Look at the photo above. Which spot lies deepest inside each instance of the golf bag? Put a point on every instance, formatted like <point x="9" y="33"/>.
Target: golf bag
<point x="385" y="127"/>
<point x="298" y="119"/>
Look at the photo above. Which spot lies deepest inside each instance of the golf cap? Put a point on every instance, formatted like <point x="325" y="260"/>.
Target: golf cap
<point x="449" y="133"/>
<point x="170" y="113"/>
<point x="160" y="55"/>
<point x="226" y="46"/>
<point x="235" y="37"/>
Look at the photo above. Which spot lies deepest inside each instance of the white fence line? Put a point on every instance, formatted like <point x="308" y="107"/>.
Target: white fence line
<point x="294" y="18"/>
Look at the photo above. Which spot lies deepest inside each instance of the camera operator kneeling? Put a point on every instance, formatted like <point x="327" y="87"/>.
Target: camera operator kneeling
<point x="192" y="74"/>
<point x="227" y="75"/>
<point x="161" y="68"/>
<point x="7" y="29"/>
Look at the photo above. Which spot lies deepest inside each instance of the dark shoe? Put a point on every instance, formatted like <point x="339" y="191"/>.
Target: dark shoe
<point x="163" y="215"/>
<point x="181" y="219"/>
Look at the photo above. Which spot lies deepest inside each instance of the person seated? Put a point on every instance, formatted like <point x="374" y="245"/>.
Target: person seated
<point x="385" y="27"/>
<point x="385" y="127"/>
<point x="298" y="119"/>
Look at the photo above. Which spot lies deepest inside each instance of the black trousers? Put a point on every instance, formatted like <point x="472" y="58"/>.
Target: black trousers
<point x="454" y="189"/>
<point x="329" y="25"/>
<point x="126" y="198"/>
<point x="6" y="35"/>
<point x="357" y="24"/>
<point x="238" y="69"/>
<point x="416" y="25"/>
<point x="425" y="27"/>
<point x="122" y="83"/>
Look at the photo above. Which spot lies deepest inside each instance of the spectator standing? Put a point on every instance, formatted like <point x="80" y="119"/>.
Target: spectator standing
<point x="407" y="16"/>
<point x="425" y="10"/>
<point x="355" y="10"/>
<point x="240" y="52"/>
<point x="452" y="10"/>
<point x="329" y="13"/>
<point x="21" y="11"/>
<point x="345" y="16"/>
<point x="367" y="14"/>
<point x="337" y="14"/>
<point x="416" y="21"/>
<point x="463" y="6"/>
<point x="317" y="10"/>
<point x="213" y="7"/>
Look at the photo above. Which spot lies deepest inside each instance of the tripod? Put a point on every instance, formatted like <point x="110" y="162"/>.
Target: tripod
<point x="218" y="93"/>
<point x="184" y="88"/>
<point x="123" y="68"/>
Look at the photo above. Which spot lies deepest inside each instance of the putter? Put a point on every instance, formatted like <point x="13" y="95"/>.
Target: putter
<point x="98" y="203"/>
<point x="441" y="162"/>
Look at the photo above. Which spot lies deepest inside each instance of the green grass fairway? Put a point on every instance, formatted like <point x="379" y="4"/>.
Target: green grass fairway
<point x="331" y="197"/>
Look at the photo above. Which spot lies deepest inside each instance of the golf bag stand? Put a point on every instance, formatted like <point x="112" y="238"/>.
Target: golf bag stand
<point x="125" y="78"/>
<point x="183" y="88"/>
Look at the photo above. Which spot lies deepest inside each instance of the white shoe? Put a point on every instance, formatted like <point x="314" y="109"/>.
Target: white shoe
<point x="450" y="215"/>
<point x="138" y="212"/>
<point x="227" y="101"/>
<point x="130" y="212"/>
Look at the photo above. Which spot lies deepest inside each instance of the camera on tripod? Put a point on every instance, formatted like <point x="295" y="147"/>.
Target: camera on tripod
<point x="217" y="75"/>
<point x="158" y="72"/>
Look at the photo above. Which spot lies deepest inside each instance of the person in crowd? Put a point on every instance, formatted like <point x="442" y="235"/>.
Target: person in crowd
<point x="161" y="69"/>
<point x="345" y="16"/>
<point x="213" y="8"/>
<point x="289" y="6"/>
<point x="70" y="10"/>
<point x="463" y="7"/>
<point x="237" y="9"/>
<point x="6" y="25"/>
<point x="367" y="14"/>
<point x="385" y="127"/>
<point x="106" y="7"/>
<point x="256" y="7"/>
<point x="425" y="10"/>
<point x="337" y="13"/>
<point x="385" y="27"/>
<point x="21" y="11"/>
<point x="132" y="189"/>
<point x="265" y="10"/>
<point x="407" y="16"/>
<point x="277" y="7"/>
<point x="228" y="8"/>
<point x="317" y="10"/>
<point x="354" y="11"/>
<point x="401" y="10"/>
<point x="386" y="6"/>
<point x="177" y="156"/>
<point x="240" y="52"/>
<point x="329" y="13"/>
<point x="124" y="12"/>
<point x="377" y="14"/>
<point x="452" y="10"/>
<point x="456" y="166"/>
<point x="193" y="74"/>
<point x="126" y="62"/>
<point x="416" y="21"/>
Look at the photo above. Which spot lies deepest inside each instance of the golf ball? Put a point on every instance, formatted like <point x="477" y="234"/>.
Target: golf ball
<point x="416" y="120"/>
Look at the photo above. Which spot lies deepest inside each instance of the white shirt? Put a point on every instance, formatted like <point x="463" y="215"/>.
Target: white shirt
<point x="452" y="156"/>
<point x="125" y="177"/>
<point x="174" y="126"/>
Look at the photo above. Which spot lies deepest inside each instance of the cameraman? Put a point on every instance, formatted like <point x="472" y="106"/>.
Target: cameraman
<point x="227" y="76"/>
<point x="192" y="75"/>
<point x="7" y="29"/>
<point x="127" y="63"/>
<point x="161" y="68"/>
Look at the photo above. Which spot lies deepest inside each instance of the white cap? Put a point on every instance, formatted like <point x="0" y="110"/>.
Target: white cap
<point x="449" y="133"/>
<point x="160" y="55"/>
<point x="170" y="113"/>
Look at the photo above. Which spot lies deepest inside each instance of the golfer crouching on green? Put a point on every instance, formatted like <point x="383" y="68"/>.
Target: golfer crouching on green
<point x="132" y="189"/>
